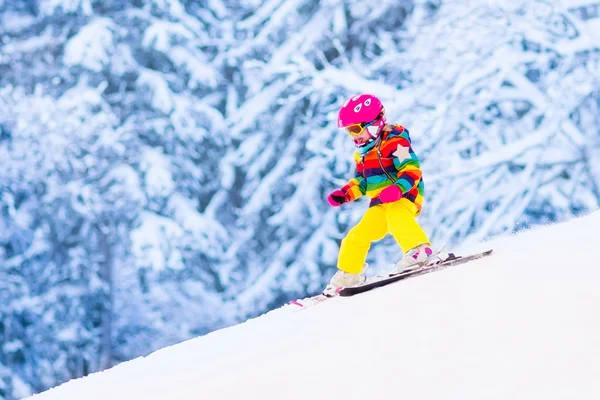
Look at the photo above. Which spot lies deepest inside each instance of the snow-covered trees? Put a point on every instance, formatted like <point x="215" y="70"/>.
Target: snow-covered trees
<point x="103" y="251"/>
<point x="164" y="163"/>
<point x="66" y="208"/>
<point x="508" y="125"/>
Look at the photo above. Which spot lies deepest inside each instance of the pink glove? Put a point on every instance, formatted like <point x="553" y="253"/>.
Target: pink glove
<point x="390" y="194"/>
<point x="336" y="198"/>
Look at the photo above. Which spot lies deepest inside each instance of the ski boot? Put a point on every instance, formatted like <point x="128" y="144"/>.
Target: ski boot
<point x="413" y="258"/>
<point x="342" y="279"/>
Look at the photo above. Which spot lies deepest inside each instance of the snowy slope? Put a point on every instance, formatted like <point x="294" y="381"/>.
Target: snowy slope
<point x="522" y="324"/>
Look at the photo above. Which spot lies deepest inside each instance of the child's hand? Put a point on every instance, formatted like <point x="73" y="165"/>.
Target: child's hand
<point x="336" y="198"/>
<point x="390" y="194"/>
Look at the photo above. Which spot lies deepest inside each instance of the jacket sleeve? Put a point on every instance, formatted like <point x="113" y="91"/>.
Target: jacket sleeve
<point x="405" y="160"/>
<point x="357" y="186"/>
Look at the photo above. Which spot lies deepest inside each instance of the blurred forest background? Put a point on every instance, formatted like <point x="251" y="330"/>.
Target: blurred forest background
<point x="164" y="163"/>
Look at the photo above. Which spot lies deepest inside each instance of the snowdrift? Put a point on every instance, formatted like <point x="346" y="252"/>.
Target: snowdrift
<point x="521" y="324"/>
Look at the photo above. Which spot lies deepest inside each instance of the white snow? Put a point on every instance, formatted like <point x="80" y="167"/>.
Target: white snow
<point x="154" y="243"/>
<point x="49" y="7"/>
<point x="162" y="96"/>
<point x="158" y="180"/>
<point x="13" y="22"/>
<point x="91" y="47"/>
<point x="201" y="71"/>
<point x="521" y="324"/>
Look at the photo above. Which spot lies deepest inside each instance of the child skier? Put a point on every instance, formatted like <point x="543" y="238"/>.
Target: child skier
<point x="388" y="171"/>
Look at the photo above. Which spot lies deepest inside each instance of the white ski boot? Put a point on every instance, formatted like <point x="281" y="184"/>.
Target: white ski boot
<point x="413" y="257"/>
<point x="342" y="279"/>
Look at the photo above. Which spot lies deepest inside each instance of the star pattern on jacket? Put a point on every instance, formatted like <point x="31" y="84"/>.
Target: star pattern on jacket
<point x="402" y="153"/>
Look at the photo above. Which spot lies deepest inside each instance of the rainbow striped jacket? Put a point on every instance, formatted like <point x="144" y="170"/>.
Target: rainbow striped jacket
<point x="397" y="161"/>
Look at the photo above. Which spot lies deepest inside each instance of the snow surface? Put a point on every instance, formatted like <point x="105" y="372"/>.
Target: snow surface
<point x="521" y="324"/>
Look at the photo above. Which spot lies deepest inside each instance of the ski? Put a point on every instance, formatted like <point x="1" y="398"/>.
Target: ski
<point x="379" y="281"/>
<point x="310" y="301"/>
<point x="451" y="259"/>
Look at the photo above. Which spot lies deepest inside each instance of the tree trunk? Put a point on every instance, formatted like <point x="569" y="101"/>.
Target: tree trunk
<point x="106" y="273"/>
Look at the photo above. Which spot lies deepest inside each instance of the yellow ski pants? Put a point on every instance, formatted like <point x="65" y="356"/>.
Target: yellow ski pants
<point x="398" y="219"/>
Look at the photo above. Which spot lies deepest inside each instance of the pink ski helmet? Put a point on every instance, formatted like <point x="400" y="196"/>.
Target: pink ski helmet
<point x="360" y="112"/>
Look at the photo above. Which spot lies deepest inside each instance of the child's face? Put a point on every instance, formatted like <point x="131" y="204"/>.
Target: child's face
<point x="362" y="138"/>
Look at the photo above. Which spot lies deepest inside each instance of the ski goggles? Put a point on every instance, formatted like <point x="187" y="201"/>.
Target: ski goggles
<point x="357" y="129"/>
